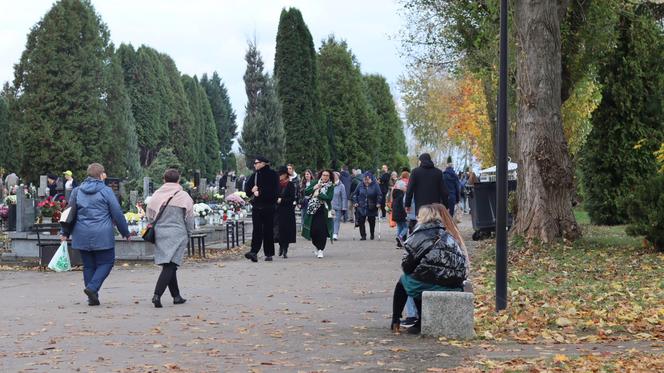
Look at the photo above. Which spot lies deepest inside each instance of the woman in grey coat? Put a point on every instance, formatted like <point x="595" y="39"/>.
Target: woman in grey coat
<point x="172" y="230"/>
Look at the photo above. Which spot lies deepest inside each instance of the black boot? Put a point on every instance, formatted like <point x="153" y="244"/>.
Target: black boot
<point x="251" y="256"/>
<point x="156" y="300"/>
<point x="281" y="251"/>
<point x="285" y="253"/>
<point x="178" y="300"/>
<point x="93" y="297"/>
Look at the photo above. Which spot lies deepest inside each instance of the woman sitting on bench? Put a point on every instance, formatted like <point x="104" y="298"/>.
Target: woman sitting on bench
<point x="432" y="261"/>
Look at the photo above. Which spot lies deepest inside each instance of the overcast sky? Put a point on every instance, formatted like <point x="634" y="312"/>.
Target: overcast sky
<point x="208" y="35"/>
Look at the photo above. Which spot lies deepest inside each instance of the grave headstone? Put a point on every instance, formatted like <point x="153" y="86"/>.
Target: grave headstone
<point x="25" y="211"/>
<point x="43" y="186"/>
<point x="146" y="187"/>
<point x="197" y="178"/>
<point x="114" y="184"/>
<point x="203" y="187"/>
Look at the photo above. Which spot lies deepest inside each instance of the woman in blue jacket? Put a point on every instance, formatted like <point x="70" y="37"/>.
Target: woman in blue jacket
<point x="93" y="233"/>
<point x="367" y="199"/>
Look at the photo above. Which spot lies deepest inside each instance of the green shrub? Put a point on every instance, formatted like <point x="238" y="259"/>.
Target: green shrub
<point x="646" y="211"/>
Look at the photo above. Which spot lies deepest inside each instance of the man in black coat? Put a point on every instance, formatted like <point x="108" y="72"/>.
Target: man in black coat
<point x="426" y="184"/>
<point x="384" y="182"/>
<point x="263" y="187"/>
<point x="346" y="181"/>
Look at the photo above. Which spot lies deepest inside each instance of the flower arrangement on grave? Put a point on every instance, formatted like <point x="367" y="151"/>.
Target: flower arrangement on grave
<point x="132" y="217"/>
<point x="235" y="201"/>
<point x="52" y="207"/>
<point x="202" y="210"/>
<point x="10" y="200"/>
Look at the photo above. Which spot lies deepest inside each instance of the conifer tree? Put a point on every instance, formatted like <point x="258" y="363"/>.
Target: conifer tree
<point x="263" y="129"/>
<point x="627" y="125"/>
<point x="181" y="120"/>
<point x="223" y="113"/>
<point x="345" y="105"/>
<point x="121" y="156"/>
<point x="5" y="134"/>
<point x="295" y="70"/>
<point x="204" y="133"/>
<point x="391" y="139"/>
<point x="60" y="78"/>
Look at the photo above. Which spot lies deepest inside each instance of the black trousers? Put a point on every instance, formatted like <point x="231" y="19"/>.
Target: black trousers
<point x="263" y="230"/>
<point x="383" y="212"/>
<point x="319" y="233"/>
<point x="168" y="278"/>
<point x="372" y="225"/>
<point x="399" y="302"/>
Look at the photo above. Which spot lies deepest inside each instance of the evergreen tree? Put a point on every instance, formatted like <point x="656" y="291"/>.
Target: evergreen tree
<point x="295" y="70"/>
<point x="145" y="81"/>
<point x="391" y="138"/>
<point x="204" y="133"/>
<point x="222" y="111"/>
<point x="121" y="155"/>
<point x="263" y="129"/>
<point x="60" y="78"/>
<point x="164" y="160"/>
<point x="627" y="125"/>
<point x="5" y="134"/>
<point x="344" y="102"/>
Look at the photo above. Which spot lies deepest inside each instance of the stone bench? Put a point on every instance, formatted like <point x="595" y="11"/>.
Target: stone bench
<point x="448" y="314"/>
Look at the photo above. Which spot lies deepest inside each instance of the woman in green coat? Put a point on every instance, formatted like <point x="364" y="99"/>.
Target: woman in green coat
<point x="318" y="217"/>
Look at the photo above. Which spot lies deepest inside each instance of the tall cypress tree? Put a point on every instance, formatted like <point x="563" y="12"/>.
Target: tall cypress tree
<point x="627" y="125"/>
<point x="222" y="111"/>
<point x="60" y="78"/>
<point x="180" y="118"/>
<point x="391" y="139"/>
<point x="295" y="70"/>
<point x="345" y="105"/>
<point x="5" y="134"/>
<point x="263" y="129"/>
<point x="121" y="155"/>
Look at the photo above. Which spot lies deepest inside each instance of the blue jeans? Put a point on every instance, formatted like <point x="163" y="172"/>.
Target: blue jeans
<point x="411" y="309"/>
<point x="337" y="220"/>
<point x="402" y="229"/>
<point x="96" y="267"/>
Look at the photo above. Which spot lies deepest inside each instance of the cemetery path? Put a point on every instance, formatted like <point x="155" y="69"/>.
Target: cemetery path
<point x="299" y="314"/>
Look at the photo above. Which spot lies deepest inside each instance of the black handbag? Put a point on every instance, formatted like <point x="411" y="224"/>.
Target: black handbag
<point x="149" y="234"/>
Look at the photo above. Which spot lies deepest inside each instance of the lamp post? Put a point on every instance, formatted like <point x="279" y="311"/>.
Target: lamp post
<point x="501" y="169"/>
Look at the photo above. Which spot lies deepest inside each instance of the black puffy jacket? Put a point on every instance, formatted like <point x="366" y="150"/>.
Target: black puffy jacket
<point x="433" y="256"/>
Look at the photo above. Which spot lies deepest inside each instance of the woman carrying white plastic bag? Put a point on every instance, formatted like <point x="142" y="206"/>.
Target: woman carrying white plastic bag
<point x="60" y="261"/>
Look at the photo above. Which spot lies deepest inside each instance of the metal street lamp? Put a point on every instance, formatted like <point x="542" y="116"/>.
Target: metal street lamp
<point x="501" y="169"/>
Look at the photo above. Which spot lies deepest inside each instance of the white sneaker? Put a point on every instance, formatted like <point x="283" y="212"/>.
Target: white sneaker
<point x="320" y="254"/>
<point x="335" y="237"/>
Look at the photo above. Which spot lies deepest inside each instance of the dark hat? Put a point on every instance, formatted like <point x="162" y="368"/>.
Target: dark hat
<point x="405" y="169"/>
<point x="282" y="170"/>
<point x="262" y="159"/>
<point x="425" y="157"/>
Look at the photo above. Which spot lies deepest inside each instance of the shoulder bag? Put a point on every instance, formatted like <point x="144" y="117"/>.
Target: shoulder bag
<point x="148" y="233"/>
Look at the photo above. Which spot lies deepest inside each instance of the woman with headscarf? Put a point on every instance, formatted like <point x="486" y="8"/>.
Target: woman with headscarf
<point x="317" y="225"/>
<point x="171" y="212"/>
<point x="285" y="217"/>
<point x="367" y="199"/>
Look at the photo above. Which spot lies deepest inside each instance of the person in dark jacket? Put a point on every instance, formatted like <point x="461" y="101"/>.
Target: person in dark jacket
<point x="451" y="181"/>
<point x="432" y="261"/>
<point x="355" y="181"/>
<point x="426" y="185"/>
<point x="52" y="185"/>
<point x="285" y="217"/>
<point x="384" y="183"/>
<point x="346" y="179"/>
<point x="399" y="214"/>
<point x="93" y="234"/>
<point x="367" y="199"/>
<point x="263" y="186"/>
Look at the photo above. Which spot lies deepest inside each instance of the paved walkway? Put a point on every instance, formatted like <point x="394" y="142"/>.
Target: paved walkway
<point x="300" y="314"/>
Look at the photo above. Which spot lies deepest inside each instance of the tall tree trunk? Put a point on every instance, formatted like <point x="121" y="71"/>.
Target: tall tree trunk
<point x="545" y="186"/>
